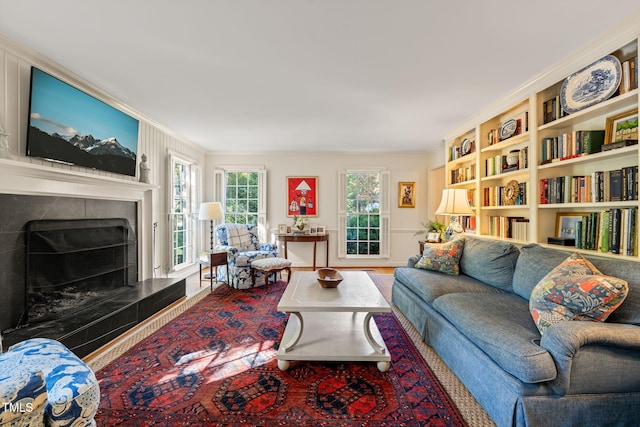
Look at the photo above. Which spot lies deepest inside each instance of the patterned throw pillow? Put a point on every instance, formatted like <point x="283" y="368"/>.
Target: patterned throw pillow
<point x="575" y="290"/>
<point x="442" y="257"/>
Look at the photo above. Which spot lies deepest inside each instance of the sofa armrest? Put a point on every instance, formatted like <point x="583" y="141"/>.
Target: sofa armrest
<point x="593" y="357"/>
<point x="412" y="260"/>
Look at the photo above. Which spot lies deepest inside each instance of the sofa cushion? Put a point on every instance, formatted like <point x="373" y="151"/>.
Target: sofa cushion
<point x="429" y="285"/>
<point x="535" y="262"/>
<point x="490" y="261"/>
<point x="629" y="310"/>
<point x="575" y="290"/>
<point x="500" y="325"/>
<point x="442" y="257"/>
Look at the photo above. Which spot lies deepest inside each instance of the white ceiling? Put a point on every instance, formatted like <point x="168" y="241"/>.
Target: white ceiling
<point x="308" y="75"/>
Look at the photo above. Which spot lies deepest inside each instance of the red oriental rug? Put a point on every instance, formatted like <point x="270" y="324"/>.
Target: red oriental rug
<point x="215" y="365"/>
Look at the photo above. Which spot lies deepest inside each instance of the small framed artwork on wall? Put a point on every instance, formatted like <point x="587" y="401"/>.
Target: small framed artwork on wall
<point x="406" y="194"/>
<point x="302" y="196"/>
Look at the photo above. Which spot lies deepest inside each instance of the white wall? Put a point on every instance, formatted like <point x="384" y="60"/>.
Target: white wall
<point x="404" y="221"/>
<point x="53" y="178"/>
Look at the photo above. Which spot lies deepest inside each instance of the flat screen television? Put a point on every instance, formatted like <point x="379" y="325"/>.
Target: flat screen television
<point x="70" y="126"/>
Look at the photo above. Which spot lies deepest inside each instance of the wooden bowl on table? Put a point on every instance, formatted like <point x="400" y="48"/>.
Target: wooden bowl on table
<point x="329" y="277"/>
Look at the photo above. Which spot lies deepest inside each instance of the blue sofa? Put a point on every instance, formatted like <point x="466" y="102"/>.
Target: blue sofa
<point x="577" y="373"/>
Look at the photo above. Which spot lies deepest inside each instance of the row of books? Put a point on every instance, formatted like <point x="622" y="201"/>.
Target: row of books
<point x="457" y="151"/>
<point x="462" y="174"/>
<point x="509" y="227"/>
<point x="614" y="231"/>
<point x="522" y="125"/>
<point x="602" y="186"/>
<point x="552" y="110"/>
<point x="570" y="145"/>
<point x="499" y="164"/>
<point x="629" y="79"/>
<point x="468" y="222"/>
<point x="494" y="196"/>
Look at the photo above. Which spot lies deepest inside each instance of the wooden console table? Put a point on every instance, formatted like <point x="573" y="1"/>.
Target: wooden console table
<point x="286" y="238"/>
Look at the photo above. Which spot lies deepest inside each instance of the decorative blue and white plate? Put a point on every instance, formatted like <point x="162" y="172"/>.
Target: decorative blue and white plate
<point x="593" y="84"/>
<point x="508" y="129"/>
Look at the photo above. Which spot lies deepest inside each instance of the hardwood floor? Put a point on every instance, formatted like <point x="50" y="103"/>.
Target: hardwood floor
<point x="194" y="285"/>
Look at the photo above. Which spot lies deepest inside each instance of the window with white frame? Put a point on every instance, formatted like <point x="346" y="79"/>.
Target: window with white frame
<point x="183" y="201"/>
<point x="242" y="192"/>
<point x="364" y="214"/>
<point x="241" y="200"/>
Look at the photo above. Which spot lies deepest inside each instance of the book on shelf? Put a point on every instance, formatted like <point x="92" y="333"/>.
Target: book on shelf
<point x="552" y="110"/>
<point x="571" y="145"/>
<point x="600" y="186"/>
<point x="612" y="230"/>
<point x="629" y="80"/>
<point x="508" y="227"/>
<point x="494" y="195"/>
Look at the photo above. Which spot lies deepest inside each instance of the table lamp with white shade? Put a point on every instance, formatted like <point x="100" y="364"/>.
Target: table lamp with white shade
<point x="211" y="211"/>
<point x="454" y="203"/>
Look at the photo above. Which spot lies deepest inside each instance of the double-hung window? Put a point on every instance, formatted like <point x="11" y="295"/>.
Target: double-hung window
<point x="242" y="190"/>
<point x="363" y="229"/>
<point x="182" y="200"/>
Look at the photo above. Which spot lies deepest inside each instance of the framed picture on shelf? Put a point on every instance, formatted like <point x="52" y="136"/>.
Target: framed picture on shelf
<point x="282" y="228"/>
<point x="566" y="224"/>
<point x="302" y="196"/>
<point x="433" y="237"/>
<point x="622" y="127"/>
<point x="322" y="230"/>
<point x="406" y="194"/>
<point x="313" y="230"/>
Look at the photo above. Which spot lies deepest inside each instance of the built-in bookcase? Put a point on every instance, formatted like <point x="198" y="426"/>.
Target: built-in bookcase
<point x="552" y="160"/>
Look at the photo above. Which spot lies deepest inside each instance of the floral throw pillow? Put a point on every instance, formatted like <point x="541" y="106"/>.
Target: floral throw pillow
<point x="442" y="257"/>
<point x="575" y="290"/>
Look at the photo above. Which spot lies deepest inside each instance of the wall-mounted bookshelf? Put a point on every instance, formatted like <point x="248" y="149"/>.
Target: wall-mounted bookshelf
<point x="562" y="165"/>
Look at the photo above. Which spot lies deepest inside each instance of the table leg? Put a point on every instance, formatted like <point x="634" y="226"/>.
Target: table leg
<point x="294" y="340"/>
<point x="315" y="245"/>
<point x="367" y="333"/>
<point x="285" y="250"/>
<point x="326" y="242"/>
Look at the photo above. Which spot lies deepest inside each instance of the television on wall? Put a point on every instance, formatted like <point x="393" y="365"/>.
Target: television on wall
<point x="69" y="126"/>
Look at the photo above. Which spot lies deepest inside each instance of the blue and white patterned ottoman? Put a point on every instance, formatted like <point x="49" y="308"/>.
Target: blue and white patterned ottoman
<point x="23" y="393"/>
<point x="72" y="390"/>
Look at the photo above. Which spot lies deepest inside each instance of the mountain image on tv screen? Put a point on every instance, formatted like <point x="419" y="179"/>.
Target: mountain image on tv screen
<point x="70" y="126"/>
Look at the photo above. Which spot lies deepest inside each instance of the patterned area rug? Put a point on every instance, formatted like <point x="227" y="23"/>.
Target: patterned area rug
<point x="215" y="365"/>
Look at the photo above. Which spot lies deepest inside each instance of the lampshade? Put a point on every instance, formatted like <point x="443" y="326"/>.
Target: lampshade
<point x="211" y="211"/>
<point x="454" y="202"/>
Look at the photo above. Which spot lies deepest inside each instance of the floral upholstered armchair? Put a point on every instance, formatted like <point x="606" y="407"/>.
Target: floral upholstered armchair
<point x="240" y="241"/>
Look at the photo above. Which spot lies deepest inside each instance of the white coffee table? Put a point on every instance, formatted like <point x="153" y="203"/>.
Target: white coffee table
<point x="333" y="324"/>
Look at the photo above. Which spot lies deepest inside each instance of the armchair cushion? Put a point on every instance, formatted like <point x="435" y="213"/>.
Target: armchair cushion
<point x="238" y="236"/>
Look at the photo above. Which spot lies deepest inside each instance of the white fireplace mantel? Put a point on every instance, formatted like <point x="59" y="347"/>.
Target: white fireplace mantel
<point x="17" y="177"/>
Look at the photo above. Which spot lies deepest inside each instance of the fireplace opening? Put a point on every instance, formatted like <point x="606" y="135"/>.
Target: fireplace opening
<point x="75" y="264"/>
